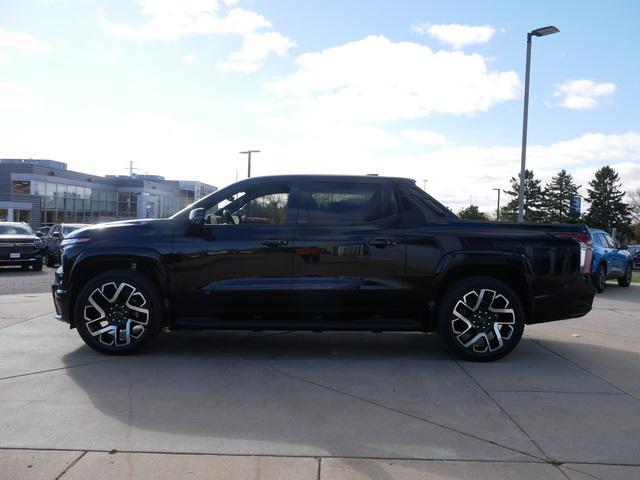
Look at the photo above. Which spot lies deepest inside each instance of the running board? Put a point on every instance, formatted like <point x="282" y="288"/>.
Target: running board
<point x="373" y="324"/>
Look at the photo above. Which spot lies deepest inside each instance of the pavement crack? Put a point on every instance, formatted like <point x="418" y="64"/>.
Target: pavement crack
<point x="386" y="407"/>
<point x="547" y="457"/>
<point x="70" y="466"/>
<point x="538" y="342"/>
<point x="53" y="370"/>
<point x="25" y="320"/>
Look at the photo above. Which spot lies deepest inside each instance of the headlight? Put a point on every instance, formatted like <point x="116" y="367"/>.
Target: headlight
<point x="73" y="241"/>
<point x="37" y="243"/>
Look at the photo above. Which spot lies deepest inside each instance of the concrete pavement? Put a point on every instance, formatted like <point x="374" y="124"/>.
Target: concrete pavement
<point x="565" y="404"/>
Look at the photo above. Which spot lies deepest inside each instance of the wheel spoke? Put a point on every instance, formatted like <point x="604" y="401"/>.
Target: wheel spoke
<point x="482" y="320"/>
<point x="116" y="314"/>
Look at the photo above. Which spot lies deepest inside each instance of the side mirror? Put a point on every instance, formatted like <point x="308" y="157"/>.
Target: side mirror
<point x="622" y="246"/>
<point x="55" y="235"/>
<point x="196" y="217"/>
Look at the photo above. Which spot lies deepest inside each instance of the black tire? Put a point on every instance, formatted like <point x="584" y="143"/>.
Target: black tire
<point x="600" y="279"/>
<point x="494" y="339"/>
<point x="48" y="260"/>
<point x="37" y="266"/>
<point x="124" y="329"/>
<point x="626" y="280"/>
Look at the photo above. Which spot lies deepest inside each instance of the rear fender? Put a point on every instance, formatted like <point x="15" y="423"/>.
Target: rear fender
<point x="512" y="268"/>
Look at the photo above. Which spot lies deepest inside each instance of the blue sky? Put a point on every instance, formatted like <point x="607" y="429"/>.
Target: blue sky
<point x="430" y="90"/>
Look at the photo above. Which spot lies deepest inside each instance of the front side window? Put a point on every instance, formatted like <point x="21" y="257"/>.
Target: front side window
<point x="332" y="203"/>
<point x="266" y="205"/>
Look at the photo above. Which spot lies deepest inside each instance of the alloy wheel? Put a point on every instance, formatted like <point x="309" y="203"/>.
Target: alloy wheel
<point x="483" y="320"/>
<point x="116" y="314"/>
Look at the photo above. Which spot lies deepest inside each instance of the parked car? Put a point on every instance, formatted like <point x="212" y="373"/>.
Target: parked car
<point x="54" y="237"/>
<point x="322" y="253"/>
<point x="634" y="250"/>
<point x="42" y="231"/>
<point x="19" y="245"/>
<point x="610" y="260"/>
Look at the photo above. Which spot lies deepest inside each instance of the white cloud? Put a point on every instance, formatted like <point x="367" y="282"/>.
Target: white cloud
<point x="454" y="173"/>
<point x="378" y="80"/>
<point x="456" y="35"/>
<point x="582" y="94"/>
<point x="255" y="48"/>
<point x="457" y="172"/>
<point x="170" y="20"/>
<point x="425" y="137"/>
<point x="190" y="58"/>
<point x="22" y="41"/>
<point x="14" y="98"/>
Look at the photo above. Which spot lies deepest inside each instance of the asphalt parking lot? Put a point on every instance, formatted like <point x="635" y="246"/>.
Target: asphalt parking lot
<point x="565" y="404"/>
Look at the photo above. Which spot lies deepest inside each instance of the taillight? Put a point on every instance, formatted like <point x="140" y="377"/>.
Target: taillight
<point x="586" y="248"/>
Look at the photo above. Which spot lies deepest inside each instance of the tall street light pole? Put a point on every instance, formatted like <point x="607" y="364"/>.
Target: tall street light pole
<point x="538" y="32"/>
<point x="248" y="154"/>
<point x="498" y="209"/>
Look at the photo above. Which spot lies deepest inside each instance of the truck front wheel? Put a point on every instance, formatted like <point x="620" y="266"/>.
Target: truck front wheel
<point x="118" y="312"/>
<point x="480" y="319"/>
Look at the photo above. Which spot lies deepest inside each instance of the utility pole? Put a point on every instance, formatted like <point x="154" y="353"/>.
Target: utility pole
<point x="248" y="154"/>
<point x="424" y="184"/>
<point x="132" y="168"/>
<point x="498" y="209"/>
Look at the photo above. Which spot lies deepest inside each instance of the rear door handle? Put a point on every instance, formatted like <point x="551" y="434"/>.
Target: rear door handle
<point x="382" y="242"/>
<point x="274" y="243"/>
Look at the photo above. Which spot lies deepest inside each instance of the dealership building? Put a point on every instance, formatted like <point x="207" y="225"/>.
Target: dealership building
<point x="44" y="192"/>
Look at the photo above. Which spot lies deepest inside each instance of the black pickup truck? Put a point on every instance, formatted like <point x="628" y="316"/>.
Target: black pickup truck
<point x="318" y="252"/>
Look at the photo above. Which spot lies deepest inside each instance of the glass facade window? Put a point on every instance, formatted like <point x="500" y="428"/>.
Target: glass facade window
<point x="127" y="204"/>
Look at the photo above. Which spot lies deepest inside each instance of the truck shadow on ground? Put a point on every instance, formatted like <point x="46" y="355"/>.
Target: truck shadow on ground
<point x="345" y="395"/>
<point x="291" y="393"/>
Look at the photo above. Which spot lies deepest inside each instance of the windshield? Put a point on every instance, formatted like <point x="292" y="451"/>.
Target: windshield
<point x="68" y="229"/>
<point x="15" y="230"/>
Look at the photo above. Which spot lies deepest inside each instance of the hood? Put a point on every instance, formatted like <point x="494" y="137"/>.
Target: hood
<point x="103" y="230"/>
<point x="12" y="237"/>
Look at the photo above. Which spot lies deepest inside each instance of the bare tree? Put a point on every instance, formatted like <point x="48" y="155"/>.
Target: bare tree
<point x="634" y="204"/>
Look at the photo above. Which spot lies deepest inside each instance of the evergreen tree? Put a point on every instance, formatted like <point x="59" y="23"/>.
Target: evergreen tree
<point x="533" y="200"/>
<point x="607" y="210"/>
<point x="472" y="212"/>
<point x="558" y="194"/>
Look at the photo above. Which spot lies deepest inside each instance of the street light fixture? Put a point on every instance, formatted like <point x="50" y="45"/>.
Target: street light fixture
<point x="248" y="154"/>
<point x="538" y="32"/>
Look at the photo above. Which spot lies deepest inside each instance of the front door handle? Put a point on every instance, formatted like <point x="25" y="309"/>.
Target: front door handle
<point x="382" y="242"/>
<point x="274" y="243"/>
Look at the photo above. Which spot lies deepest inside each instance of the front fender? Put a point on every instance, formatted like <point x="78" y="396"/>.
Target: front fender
<point x="119" y="257"/>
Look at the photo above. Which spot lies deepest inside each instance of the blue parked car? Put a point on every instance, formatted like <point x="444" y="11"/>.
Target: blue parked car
<point x="610" y="260"/>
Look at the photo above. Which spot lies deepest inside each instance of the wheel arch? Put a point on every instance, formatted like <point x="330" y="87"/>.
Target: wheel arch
<point x="90" y="265"/>
<point x="514" y="270"/>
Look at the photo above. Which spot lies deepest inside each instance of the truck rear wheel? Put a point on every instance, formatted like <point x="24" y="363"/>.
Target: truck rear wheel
<point x="118" y="312"/>
<point x="480" y="319"/>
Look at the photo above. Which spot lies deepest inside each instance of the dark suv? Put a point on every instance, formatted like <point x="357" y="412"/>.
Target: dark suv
<point x="54" y="237"/>
<point x="322" y="253"/>
<point x="19" y="245"/>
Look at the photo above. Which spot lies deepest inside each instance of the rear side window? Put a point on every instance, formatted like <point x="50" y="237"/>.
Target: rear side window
<point x="333" y="203"/>
<point x="610" y="241"/>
